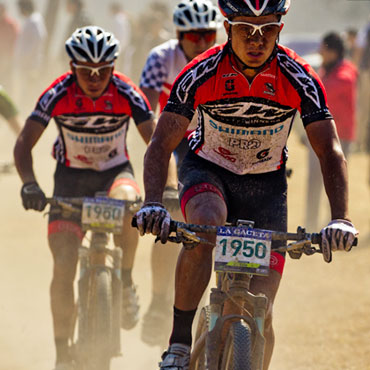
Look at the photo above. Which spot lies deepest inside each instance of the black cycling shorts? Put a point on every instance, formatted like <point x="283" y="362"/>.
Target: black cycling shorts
<point x="261" y="198"/>
<point x="75" y="182"/>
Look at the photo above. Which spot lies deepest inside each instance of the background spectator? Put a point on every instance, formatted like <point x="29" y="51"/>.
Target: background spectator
<point x="29" y="53"/>
<point x="362" y="59"/>
<point x="8" y="34"/>
<point x="120" y="26"/>
<point x="339" y="77"/>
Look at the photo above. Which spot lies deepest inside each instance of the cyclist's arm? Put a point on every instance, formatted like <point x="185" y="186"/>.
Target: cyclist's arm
<point x="27" y="139"/>
<point x="146" y="130"/>
<point x="324" y="141"/>
<point x="152" y="96"/>
<point x="169" y="132"/>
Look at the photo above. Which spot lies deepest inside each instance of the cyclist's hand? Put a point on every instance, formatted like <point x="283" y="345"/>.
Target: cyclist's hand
<point x="171" y="198"/>
<point x="154" y="218"/>
<point x="338" y="235"/>
<point x="33" y="197"/>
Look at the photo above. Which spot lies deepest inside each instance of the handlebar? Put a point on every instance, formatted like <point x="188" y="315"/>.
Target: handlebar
<point x="186" y="233"/>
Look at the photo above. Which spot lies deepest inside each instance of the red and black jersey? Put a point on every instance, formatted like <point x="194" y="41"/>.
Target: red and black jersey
<point x="244" y="126"/>
<point x="92" y="132"/>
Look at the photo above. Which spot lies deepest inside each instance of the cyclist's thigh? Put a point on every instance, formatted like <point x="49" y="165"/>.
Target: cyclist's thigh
<point x="201" y="188"/>
<point x="124" y="185"/>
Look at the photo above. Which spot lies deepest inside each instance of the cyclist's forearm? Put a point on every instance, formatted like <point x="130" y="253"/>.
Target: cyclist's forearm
<point x="335" y="176"/>
<point x="155" y="173"/>
<point x="24" y="164"/>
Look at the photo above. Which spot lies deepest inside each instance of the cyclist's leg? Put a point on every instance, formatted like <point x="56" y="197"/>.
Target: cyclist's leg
<point x="124" y="187"/>
<point x="202" y="202"/>
<point x="263" y="199"/>
<point x="64" y="239"/>
<point x="64" y="236"/>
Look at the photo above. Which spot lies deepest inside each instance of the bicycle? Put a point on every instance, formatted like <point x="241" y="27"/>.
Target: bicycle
<point x="96" y="333"/>
<point x="241" y="252"/>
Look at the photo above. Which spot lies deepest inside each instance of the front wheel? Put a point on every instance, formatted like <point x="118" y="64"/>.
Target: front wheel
<point x="237" y="351"/>
<point x="96" y="344"/>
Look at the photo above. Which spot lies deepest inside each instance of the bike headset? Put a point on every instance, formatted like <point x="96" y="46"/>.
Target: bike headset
<point x="92" y="44"/>
<point x="191" y="15"/>
<point x="252" y="8"/>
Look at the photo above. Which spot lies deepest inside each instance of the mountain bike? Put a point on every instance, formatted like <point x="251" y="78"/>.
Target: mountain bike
<point x="236" y="341"/>
<point x="96" y="336"/>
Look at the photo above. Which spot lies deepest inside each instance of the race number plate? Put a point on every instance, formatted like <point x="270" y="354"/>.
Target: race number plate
<point x="103" y="214"/>
<point x="243" y="250"/>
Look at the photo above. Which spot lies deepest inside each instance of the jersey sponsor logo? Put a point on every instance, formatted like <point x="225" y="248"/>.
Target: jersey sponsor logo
<point x="225" y="153"/>
<point x="263" y="153"/>
<point x="100" y="122"/>
<point x="262" y="156"/>
<point x="270" y="90"/>
<point x="230" y="85"/>
<point x="241" y="131"/>
<point x="190" y="77"/>
<point x="248" y="113"/>
<point x="96" y="149"/>
<point x="244" y="144"/>
<point x="83" y="159"/>
<point x="79" y="103"/>
<point x="227" y="75"/>
<point x="301" y="76"/>
<point x="108" y="105"/>
<point x="94" y="139"/>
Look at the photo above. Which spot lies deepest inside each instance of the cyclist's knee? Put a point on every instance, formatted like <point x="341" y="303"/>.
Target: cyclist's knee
<point x="206" y="208"/>
<point x="125" y="189"/>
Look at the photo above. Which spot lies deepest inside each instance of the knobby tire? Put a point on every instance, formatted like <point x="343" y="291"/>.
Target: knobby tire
<point x="237" y="351"/>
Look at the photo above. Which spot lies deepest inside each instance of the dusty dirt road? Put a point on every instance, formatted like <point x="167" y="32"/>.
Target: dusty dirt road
<point x="322" y="315"/>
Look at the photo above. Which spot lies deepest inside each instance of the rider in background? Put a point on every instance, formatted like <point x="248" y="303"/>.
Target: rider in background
<point x="9" y="111"/>
<point x="245" y="94"/>
<point x="91" y="105"/>
<point x="196" y="23"/>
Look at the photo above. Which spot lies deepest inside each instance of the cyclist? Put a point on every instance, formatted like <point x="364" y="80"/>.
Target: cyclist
<point x="245" y="94"/>
<point x="9" y="111"/>
<point x="91" y="105"/>
<point x="196" y="23"/>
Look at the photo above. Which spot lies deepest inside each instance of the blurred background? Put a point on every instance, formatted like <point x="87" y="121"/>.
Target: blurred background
<point x="321" y="312"/>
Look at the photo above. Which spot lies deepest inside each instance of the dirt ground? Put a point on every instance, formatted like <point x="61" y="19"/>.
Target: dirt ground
<point x="322" y="319"/>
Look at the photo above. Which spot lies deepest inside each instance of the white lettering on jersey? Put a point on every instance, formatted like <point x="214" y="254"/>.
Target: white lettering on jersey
<point x="233" y="138"/>
<point x="95" y="151"/>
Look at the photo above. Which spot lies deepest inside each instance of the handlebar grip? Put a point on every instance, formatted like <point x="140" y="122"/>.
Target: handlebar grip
<point x="173" y="224"/>
<point x="316" y="239"/>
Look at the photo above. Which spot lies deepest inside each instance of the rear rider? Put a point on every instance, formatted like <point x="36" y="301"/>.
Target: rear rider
<point x="245" y="94"/>
<point x="92" y="106"/>
<point x="196" y="23"/>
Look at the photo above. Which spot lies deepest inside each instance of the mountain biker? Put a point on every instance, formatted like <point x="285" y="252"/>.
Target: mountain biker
<point x="91" y="105"/>
<point x="196" y="23"/>
<point x="245" y="94"/>
<point x="9" y="111"/>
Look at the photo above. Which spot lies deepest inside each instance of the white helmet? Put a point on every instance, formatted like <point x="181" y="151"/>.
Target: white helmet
<point x="92" y="44"/>
<point x="196" y="14"/>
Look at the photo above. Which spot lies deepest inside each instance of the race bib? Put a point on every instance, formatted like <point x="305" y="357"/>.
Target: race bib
<point x="103" y="214"/>
<point x="243" y="250"/>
